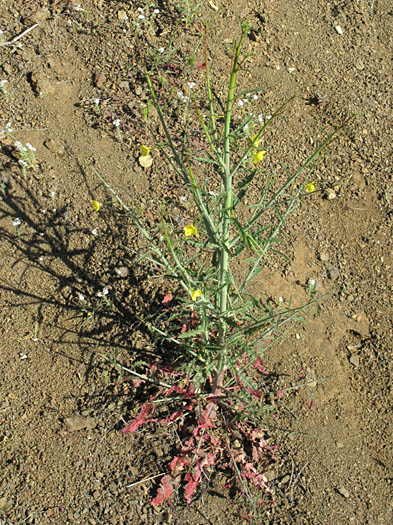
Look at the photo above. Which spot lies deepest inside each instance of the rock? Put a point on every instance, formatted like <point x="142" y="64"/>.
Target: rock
<point x="122" y="15"/>
<point x="354" y="360"/>
<point x="330" y="194"/>
<point x="270" y="475"/>
<point x="54" y="146"/>
<point x="39" y="16"/>
<point x="285" y="480"/>
<point x="338" y="29"/>
<point x="42" y="85"/>
<point x="324" y="256"/>
<point x="6" y="177"/>
<point x="333" y="273"/>
<point x="75" y="423"/>
<point x="4" y="502"/>
<point x="122" y="271"/>
<point x="344" y="492"/>
<point x="7" y="68"/>
<point x="358" y="181"/>
<point x="99" y="80"/>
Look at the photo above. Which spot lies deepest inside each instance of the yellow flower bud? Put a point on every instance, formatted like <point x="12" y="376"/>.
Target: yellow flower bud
<point x="145" y="150"/>
<point x="255" y="141"/>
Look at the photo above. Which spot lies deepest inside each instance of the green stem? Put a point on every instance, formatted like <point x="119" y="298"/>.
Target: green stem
<point x="224" y="281"/>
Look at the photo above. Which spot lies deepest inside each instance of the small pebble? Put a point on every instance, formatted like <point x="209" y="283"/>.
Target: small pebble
<point x="122" y="15"/>
<point x="344" y="492"/>
<point x="122" y="271"/>
<point x="330" y="194"/>
<point x="270" y="475"/>
<point x="99" y="79"/>
<point x="333" y="273"/>
<point x="42" y="85"/>
<point x="285" y="480"/>
<point x="338" y="29"/>
<point x="8" y="68"/>
<point x="54" y="146"/>
<point x="354" y="360"/>
<point x="75" y="423"/>
<point x="37" y="17"/>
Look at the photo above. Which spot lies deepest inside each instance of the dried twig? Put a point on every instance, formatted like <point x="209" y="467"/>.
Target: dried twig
<point x="18" y="37"/>
<point x="144" y="480"/>
<point x="291" y="485"/>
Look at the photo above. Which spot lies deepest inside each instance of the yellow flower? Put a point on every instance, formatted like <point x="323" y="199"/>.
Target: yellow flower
<point x="258" y="157"/>
<point x="195" y="294"/>
<point x="310" y="188"/>
<point x="190" y="230"/>
<point x="96" y="205"/>
<point x="145" y="150"/>
<point x="255" y="141"/>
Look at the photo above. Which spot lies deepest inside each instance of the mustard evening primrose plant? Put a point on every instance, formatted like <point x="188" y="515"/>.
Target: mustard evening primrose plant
<point x="216" y="329"/>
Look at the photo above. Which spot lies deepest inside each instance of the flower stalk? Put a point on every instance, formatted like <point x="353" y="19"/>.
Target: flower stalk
<point x="224" y="281"/>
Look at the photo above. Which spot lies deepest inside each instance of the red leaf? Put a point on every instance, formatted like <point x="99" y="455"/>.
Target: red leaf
<point x="189" y="489"/>
<point x="167" y="298"/>
<point x="177" y="465"/>
<point x="164" y="491"/>
<point x="206" y="420"/>
<point x="209" y="459"/>
<point x="259" y="366"/>
<point x="280" y="394"/>
<point x="136" y="383"/>
<point x="140" y="419"/>
<point x="172" y="417"/>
